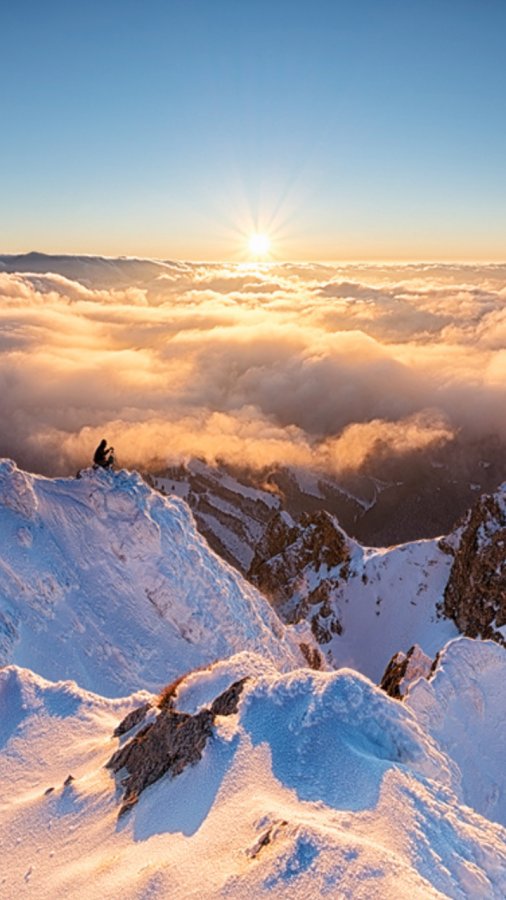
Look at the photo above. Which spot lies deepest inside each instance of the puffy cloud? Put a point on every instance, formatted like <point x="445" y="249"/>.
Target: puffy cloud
<point x="312" y="365"/>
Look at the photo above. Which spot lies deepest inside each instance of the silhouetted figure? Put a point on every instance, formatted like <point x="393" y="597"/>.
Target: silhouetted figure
<point x="103" y="456"/>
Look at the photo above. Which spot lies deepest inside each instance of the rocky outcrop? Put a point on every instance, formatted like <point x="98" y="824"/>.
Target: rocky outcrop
<point x="403" y="669"/>
<point x="168" y="744"/>
<point x="475" y="595"/>
<point x="132" y="719"/>
<point x="297" y="565"/>
<point x="312" y="656"/>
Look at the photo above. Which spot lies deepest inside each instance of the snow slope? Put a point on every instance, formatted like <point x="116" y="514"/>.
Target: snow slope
<point x="317" y="784"/>
<point x="463" y="707"/>
<point x="388" y="603"/>
<point x="320" y="786"/>
<point x="366" y="604"/>
<point x="104" y="581"/>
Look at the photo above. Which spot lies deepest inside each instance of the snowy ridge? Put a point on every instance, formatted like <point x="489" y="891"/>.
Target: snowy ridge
<point x="104" y="581"/>
<point x="390" y="602"/>
<point x="320" y="785"/>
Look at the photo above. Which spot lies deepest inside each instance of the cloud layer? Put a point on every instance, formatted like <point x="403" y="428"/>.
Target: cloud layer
<point x="313" y="365"/>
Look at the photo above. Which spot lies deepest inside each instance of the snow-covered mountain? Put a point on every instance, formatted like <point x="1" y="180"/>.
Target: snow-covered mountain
<point x="249" y="774"/>
<point x="232" y="506"/>
<point x="104" y="581"/>
<point x="380" y="505"/>
<point x="306" y="785"/>
<point x="363" y="604"/>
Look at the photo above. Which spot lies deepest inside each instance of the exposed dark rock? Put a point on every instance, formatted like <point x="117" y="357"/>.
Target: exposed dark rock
<point x="226" y="704"/>
<point x="403" y="669"/>
<point x="174" y="741"/>
<point x="475" y="595"/>
<point x="324" y="542"/>
<point x="287" y="560"/>
<point x="171" y="742"/>
<point x="394" y="673"/>
<point x="266" y="838"/>
<point x="69" y="779"/>
<point x="435" y="664"/>
<point x="272" y="566"/>
<point x="132" y="719"/>
<point x="312" y="656"/>
<point x="324" y="628"/>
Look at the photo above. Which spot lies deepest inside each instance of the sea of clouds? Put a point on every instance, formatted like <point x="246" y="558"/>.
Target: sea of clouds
<point x="313" y="365"/>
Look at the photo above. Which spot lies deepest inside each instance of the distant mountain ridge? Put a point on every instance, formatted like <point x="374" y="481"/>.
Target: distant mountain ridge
<point x="424" y="503"/>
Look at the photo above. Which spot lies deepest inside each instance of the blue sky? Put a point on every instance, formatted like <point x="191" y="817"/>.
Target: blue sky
<point x="372" y="130"/>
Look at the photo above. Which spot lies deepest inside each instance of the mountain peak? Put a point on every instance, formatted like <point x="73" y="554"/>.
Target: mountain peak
<point x="117" y="580"/>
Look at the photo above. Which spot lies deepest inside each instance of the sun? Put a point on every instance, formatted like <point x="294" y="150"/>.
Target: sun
<point x="259" y="244"/>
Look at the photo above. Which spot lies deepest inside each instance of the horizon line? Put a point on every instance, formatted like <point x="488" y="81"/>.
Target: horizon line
<point x="359" y="261"/>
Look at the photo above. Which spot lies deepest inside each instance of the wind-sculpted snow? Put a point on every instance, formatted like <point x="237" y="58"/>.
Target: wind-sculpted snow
<point x="287" y="782"/>
<point x="463" y="706"/>
<point x="333" y="736"/>
<point x="105" y="581"/>
<point x="320" y="785"/>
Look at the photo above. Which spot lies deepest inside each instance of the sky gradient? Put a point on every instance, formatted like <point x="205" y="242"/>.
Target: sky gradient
<point x="175" y="129"/>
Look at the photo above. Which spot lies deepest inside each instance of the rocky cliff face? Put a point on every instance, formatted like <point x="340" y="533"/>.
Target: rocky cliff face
<point x="475" y="595"/>
<point x="298" y="565"/>
<point x="311" y="570"/>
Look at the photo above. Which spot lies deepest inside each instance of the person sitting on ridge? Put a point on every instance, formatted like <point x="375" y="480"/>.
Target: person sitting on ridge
<point x="103" y="456"/>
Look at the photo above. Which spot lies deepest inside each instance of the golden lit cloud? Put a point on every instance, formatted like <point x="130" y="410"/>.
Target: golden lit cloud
<point x="316" y="366"/>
